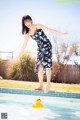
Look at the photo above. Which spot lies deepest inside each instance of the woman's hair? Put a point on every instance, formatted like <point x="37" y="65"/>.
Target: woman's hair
<point x="24" y="28"/>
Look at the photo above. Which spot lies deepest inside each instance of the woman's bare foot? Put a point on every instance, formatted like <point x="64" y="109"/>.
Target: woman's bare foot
<point x="39" y="88"/>
<point x="47" y="88"/>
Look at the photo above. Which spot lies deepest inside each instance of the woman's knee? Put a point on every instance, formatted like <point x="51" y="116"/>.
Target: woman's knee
<point x="40" y="68"/>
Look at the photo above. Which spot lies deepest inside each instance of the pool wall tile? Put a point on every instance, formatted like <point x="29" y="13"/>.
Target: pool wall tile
<point x="40" y="93"/>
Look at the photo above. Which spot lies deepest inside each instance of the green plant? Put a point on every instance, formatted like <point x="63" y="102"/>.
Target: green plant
<point x="23" y="69"/>
<point x="26" y="67"/>
<point x="13" y="70"/>
<point x="0" y="60"/>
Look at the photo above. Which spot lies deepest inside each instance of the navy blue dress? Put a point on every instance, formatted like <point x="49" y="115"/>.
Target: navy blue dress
<point x="44" y="52"/>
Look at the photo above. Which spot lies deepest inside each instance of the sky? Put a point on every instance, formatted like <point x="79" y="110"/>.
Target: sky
<point x="52" y="14"/>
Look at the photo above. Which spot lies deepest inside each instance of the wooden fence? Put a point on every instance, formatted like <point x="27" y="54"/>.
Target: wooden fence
<point x="70" y="74"/>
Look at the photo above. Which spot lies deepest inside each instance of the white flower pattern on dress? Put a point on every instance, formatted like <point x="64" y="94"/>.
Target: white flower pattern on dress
<point x="44" y="52"/>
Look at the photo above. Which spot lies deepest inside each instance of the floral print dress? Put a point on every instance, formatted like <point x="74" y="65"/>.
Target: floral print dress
<point x="44" y="52"/>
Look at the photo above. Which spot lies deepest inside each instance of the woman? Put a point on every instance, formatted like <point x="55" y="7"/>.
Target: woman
<point x="44" y="52"/>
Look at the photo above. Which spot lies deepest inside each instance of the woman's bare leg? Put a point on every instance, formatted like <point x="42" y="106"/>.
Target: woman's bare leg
<point x="48" y="75"/>
<point x="40" y="77"/>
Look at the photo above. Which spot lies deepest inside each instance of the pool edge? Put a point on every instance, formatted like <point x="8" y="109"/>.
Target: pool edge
<point x="40" y="93"/>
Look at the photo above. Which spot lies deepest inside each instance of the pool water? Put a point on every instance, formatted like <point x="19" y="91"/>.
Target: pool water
<point x="19" y="107"/>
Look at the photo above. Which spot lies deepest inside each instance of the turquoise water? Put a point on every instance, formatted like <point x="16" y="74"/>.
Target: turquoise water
<point x="18" y="107"/>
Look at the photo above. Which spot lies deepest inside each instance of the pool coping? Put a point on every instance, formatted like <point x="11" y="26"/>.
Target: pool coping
<point x="40" y="93"/>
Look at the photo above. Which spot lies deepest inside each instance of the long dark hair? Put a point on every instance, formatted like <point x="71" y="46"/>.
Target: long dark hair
<point x="24" y="28"/>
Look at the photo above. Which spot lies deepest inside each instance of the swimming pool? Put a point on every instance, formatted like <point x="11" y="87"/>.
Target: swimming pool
<point x="19" y="107"/>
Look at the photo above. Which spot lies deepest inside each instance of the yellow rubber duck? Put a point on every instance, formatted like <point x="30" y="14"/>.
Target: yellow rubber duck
<point x="37" y="104"/>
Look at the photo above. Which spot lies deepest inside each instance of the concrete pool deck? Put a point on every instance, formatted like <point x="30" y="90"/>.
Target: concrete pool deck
<point x="28" y="85"/>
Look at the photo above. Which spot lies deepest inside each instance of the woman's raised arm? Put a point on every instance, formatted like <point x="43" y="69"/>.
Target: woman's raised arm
<point x="50" y="30"/>
<point x="24" y="44"/>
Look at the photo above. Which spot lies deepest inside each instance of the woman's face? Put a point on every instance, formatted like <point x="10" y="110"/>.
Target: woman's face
<point x="28" y="23"/>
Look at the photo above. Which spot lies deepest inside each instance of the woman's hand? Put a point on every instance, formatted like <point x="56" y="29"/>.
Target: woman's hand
<point x="65" y="33"/>
<point x="61" y="33"/>
<point x="24" y="45"/>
